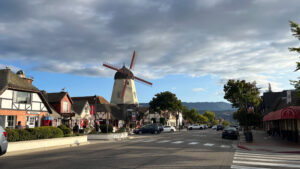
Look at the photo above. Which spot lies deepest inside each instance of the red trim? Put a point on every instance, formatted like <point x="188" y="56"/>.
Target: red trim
<point x="292" y="112"/>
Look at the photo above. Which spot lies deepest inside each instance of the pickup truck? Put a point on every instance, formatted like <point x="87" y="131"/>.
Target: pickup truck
<point x="196" y="127"/>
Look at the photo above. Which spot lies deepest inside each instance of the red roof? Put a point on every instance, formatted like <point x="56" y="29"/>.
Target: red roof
<point x="292" y="112"/>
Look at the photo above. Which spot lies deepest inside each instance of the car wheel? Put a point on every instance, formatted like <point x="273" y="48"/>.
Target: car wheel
<point x="140" y="132"/>
<point x="172" y="131"/>
<point x="223" y="136"/>
<point x="190" y="128"/>
<point x="155" y="132"/>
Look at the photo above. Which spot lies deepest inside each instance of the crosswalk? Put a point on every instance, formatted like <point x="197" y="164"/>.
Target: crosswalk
<point x="264" y="160"/>
<point x="177" y="142"/>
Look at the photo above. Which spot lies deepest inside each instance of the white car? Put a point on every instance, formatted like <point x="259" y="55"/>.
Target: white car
<point x="196" y="127"/>
<point x="214" y="127"/>
<point x="169" y="129"/>
<point x="3" y="141"/>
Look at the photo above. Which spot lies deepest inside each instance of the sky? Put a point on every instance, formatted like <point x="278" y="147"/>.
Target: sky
<point x="190" y="48"/>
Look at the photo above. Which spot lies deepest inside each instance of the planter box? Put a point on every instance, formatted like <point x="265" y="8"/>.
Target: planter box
<point x="45" y="143"/>
<point x="111" y="136"/>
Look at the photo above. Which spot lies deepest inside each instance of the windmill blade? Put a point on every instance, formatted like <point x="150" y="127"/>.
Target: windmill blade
<point x="124" y="89"/>
<point x="142" y="80"/>
<point x="132" y="60"/>
<point x="112" y="67"/>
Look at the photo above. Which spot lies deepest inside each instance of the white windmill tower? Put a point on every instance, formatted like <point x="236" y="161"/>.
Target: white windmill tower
<point x="124" y="92"/>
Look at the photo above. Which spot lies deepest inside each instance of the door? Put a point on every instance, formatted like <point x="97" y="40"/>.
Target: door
<point x="30" y="121"/>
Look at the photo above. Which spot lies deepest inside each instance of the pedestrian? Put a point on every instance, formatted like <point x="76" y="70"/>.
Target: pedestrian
<point x="76" y="128"/>
<point x="96" y="126"/>
<point x="19" y="126"/>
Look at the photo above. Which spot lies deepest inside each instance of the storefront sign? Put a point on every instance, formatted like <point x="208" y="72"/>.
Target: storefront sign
<point x="33" y="112"/>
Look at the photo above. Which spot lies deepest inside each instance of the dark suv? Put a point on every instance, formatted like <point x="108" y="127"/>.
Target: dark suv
<point x="149" y="128"/>
<point x="220" y="127"/>
<point x="160" y="126"/>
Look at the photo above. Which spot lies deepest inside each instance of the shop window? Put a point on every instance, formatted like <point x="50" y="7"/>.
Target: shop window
<point x="22" y="97"/>
<point x="10" y="122"/>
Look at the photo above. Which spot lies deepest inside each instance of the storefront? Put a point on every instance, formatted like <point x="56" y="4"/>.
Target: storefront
<point x="284" y="123"/>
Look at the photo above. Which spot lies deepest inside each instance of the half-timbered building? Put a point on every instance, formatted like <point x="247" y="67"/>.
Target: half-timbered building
<point x="20" y="101"/>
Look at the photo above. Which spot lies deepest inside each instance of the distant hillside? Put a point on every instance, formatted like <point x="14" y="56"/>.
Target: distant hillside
<point x="213" y="106"/>
<point x="221" y="109"/>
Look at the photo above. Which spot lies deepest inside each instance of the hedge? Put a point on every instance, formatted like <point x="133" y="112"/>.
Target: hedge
<point x="66" y="130"/>
<point x="33" y="133"/>
<point x="103" y="128"/>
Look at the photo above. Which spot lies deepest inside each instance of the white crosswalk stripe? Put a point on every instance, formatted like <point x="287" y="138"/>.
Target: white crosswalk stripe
<point x="260" y="160"/>
<point x="208" y="144"/>
<point x="164" y="141"/>
<point x="177" y="142"/>
<point x="193" y="143"/>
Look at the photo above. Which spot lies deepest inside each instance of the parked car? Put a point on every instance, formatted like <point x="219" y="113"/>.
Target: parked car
<point x="196" y="127"/>
<point x="3" y="141"/>
<point x="230" y="132"/>
<point x="220" y="127"/>
<point x="169" y="129"/>
<point x="214" y="127"/>
<point x="160" y="126"/>
<point x="150" y="128"/>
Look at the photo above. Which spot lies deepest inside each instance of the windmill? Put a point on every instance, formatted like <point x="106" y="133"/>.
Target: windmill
<point x="124" y="91"/>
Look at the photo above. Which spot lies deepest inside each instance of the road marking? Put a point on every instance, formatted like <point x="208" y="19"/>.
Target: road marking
<point x="193" y="143"/>
<point x="245" y="160"/>
<point x="177" y="142"/>
<point x="225" y="146"/>
<point x="266" y="160"/>
<point x="266" y="164"/>
<point x="208" y="144"/>
<point x="164" y="141"/>
<point x="243" y="167"/>
<point x="147" y="141"/>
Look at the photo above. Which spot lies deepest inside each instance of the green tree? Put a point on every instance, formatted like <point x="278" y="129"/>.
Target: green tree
<point x="225" y="123"/>
<point x="210" y="115"/>
<point x="296" y="33"/>
<point x="242" y="94"/>
<point x="202" y="119"/>
<point x="165" y="101"/>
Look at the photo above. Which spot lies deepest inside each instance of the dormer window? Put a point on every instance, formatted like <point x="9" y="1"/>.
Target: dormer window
<point x="22" y="97"/>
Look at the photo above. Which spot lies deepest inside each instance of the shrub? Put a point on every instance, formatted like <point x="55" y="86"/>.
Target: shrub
<point x="12" y="135"/>
<point x="24" y="135"/>
<point x="33" y="133"/>
<point x="121" y="130"/>
<point x="66" y="130"/>
<point x="103" y="128"/>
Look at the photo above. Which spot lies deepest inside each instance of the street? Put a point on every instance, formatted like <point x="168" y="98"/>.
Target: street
<point x="186" y="149"/>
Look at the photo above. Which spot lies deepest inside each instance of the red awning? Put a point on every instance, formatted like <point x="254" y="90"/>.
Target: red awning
<point x="292" y="112"/>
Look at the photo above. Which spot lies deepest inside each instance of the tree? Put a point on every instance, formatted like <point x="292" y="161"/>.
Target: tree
<point x="191" y="115"/>
<point x="202" y="119"/>
<point x="210" y="115"/>
<point x="242" y="94"/>
<point x="165" y="101"/>
<point x="225" y="123"/>
<point x="296" y="33"/>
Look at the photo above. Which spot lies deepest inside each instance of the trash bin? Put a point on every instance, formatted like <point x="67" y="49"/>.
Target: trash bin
<point x="248" y="136"/>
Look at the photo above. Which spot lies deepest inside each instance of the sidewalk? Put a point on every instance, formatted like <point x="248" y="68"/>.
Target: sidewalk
<point x="263" y="142"/>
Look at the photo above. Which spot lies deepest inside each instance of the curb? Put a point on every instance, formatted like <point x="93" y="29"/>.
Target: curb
<point x="243" y="147"/>
<point x="291" y="152"/>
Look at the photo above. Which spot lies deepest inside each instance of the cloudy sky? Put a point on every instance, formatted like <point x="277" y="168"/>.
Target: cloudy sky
<point x="188" y="47"/>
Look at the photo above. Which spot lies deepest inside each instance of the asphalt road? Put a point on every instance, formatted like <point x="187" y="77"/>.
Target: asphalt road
<point x="187" y="149"/>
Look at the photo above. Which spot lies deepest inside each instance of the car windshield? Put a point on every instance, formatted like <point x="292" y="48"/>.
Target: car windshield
<point x="230" y="128"/>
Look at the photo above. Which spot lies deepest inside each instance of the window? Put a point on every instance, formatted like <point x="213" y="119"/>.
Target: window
<point x="10" y="121"/>
<point x="86" y="109"/>
<point x="22" y="97"/>
<point x="65" y="107"/>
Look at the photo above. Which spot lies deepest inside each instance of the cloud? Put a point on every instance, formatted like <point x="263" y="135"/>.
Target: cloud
<point x="228" y="39"/>
<point x="198" y="89"/>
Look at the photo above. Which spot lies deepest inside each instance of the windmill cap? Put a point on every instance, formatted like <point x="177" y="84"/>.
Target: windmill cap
<point x="127" y="74"/>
